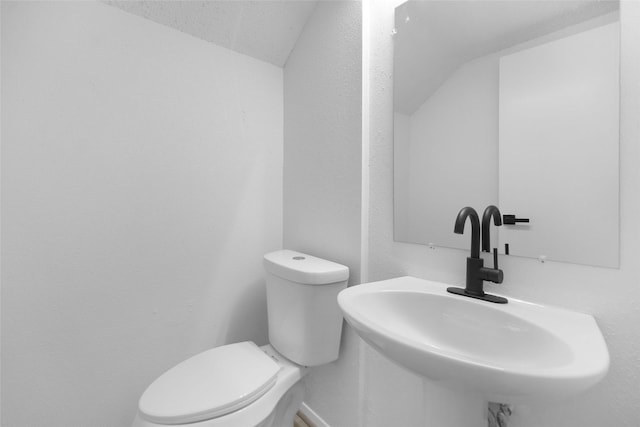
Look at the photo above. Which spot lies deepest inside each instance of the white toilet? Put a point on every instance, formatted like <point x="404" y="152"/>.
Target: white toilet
<point x="243" y="385"/>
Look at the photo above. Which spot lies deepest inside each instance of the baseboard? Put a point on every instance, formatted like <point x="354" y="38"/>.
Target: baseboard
<point x="310" y="417"/>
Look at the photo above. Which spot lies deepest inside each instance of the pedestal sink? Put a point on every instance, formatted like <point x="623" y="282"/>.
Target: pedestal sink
<point x="505" y="352"/>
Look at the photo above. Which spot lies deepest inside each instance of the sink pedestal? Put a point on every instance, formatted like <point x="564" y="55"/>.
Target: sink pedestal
<point x="445" y="407"/>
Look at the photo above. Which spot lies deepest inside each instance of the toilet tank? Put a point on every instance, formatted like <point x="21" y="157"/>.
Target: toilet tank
<point x="305" y="322"/>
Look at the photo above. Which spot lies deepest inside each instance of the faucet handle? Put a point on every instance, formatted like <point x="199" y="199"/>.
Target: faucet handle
<point x="510" y="219"/>
<point x="494" y="275"/>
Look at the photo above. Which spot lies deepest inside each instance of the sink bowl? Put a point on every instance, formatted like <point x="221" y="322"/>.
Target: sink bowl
<point x="509" y="353"/>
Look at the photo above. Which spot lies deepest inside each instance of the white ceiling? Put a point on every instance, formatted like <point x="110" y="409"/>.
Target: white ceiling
<point x="434" y="38"/>
<point x="264" y="29"/>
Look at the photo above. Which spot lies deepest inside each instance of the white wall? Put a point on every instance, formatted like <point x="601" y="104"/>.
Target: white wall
<point x="323" y="174"/>
<point x="141" y="185"/>
<point x="612" y="295"/>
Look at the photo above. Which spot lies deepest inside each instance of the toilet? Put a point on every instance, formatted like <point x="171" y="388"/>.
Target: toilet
<point x="243" y="385"/>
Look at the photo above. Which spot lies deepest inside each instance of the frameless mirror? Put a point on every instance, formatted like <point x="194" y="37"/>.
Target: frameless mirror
<point x="514" y="104"/>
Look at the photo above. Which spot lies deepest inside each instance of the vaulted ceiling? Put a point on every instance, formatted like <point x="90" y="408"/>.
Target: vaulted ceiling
<point x="264" y="29"/>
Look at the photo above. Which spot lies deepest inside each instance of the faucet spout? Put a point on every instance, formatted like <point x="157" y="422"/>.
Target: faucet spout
<point x="490" y="211"/>
<point x="461" y="219"/>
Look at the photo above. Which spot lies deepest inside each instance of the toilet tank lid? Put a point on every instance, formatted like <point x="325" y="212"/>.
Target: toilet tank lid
<point x="305" y="269"/>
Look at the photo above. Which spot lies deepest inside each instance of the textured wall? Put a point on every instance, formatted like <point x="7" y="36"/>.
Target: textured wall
<point x="611" y="295"/>
<point x="141" y="185"/>
<point x="322" y="174"/>
<point x="322" y="131"/>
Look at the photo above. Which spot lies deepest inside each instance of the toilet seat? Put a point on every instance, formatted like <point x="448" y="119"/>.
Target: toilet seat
<point x="209" y="385"/>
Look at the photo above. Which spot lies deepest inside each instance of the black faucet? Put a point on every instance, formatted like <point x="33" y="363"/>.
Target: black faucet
<point x="477" y="273"/>
<point x="461" y="219"/>
<point x="486" y="219"/>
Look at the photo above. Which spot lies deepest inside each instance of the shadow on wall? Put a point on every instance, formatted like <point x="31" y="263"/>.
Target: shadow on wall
<point x="251" y="303"/>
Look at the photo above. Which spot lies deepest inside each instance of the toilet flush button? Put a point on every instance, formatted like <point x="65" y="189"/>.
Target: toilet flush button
<point x="298" y="258"/>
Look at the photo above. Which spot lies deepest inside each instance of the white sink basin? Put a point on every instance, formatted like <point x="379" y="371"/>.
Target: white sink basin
<point x="507" y="352"/>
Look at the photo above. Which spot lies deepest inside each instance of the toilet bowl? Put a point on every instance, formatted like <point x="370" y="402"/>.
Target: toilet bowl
<point x="245" y="385"/>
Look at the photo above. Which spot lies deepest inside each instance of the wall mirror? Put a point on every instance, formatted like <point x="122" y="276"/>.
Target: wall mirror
<point x="514" y="104"/>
